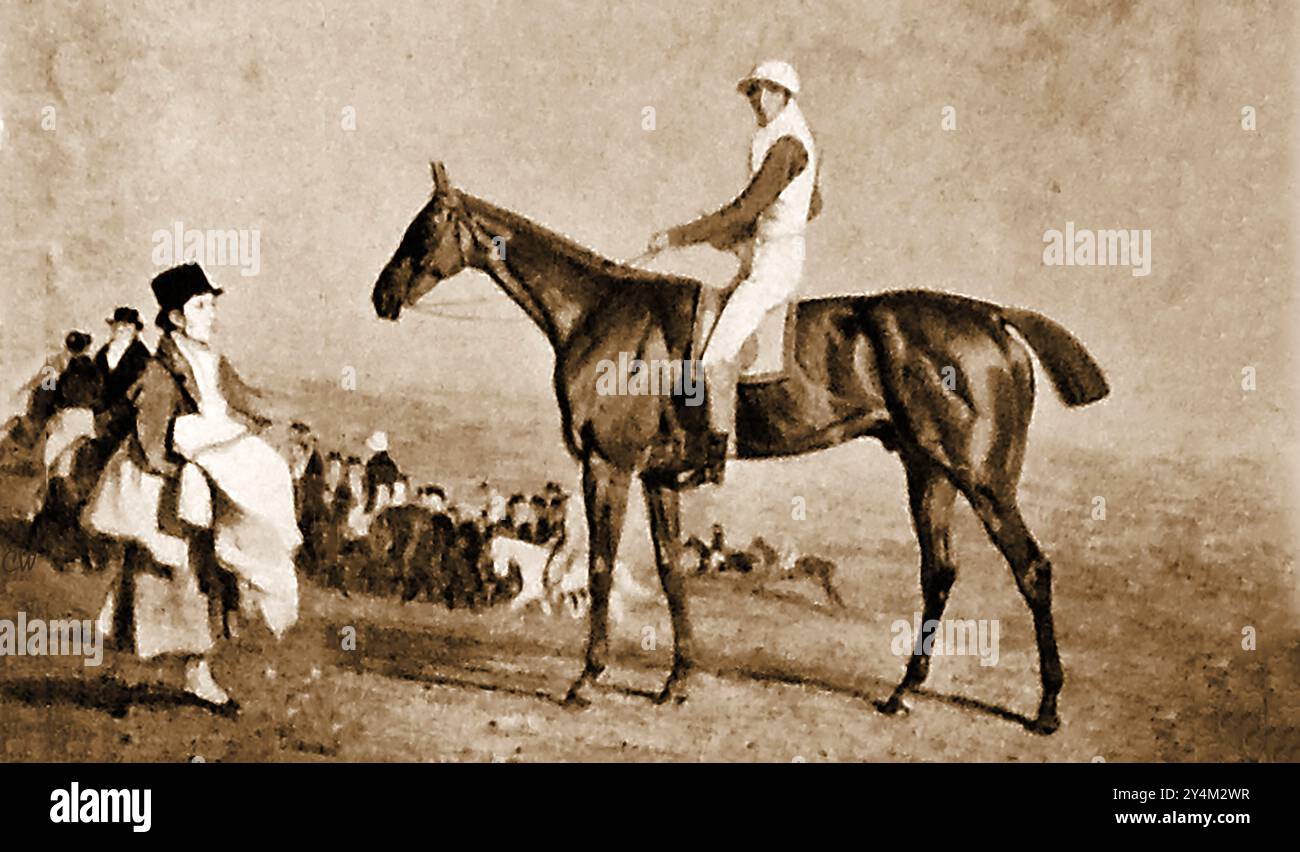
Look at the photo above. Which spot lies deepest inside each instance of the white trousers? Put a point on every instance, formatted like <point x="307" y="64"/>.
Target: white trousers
<point x="771" y="275"/>
<point x="775" y="270"/>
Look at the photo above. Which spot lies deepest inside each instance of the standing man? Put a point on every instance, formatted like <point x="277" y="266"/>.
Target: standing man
<point x="764" y="226"/>
<point x="380" y="467"/>
<point x="119" y="362"/>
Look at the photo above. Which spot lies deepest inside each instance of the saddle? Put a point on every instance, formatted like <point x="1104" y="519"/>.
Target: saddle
<point x="767" y="352"/>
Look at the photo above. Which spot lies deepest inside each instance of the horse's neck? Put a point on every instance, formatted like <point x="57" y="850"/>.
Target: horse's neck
<point x="551" y="288"/>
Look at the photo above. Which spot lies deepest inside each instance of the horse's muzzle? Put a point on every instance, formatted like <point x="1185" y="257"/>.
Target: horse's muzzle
<point x="387" y="304"/>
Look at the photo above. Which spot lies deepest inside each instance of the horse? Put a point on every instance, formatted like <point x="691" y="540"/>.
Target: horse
<point x="938" y="378"/>
<point x="532" y="562"/>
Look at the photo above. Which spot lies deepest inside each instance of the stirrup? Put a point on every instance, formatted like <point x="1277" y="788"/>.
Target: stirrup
<point x="707" y="464"/>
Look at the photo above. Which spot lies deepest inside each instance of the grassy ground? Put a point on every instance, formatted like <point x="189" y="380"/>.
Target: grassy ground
<point x="1151" y="603"/>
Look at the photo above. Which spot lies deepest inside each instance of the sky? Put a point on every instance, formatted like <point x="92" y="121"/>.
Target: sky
<point x="312" y="125"/>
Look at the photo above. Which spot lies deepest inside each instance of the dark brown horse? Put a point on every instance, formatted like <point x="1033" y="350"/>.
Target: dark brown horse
<point x="937" y="378"/>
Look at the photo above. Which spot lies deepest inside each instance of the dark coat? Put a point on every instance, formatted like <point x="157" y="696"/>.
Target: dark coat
<point x="79" y="385"/>
<point x="380" y="470"/>
<point x="116" y="414"/>
<point x="310" y="497"/>
<point x="118" y="380"/>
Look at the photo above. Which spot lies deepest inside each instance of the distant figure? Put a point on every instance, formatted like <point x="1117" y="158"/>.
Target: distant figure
<point x="119" y="364"/>
<point x="495" y="508"/>
<point x="356" y="521"/>
<point x="815" y="568"/>
<point x="717" y="550"/>
<point x="77" y="394"/>
<point x="694" y="556"/>
<point x="78" y="385"/>
<point x="542" y="531"/>
<point x="518" y="521"/>
<point x="380" y="469"/>
<point x="71" y="465"/>
<point x="427" y="570"/>
<point x="344" y="479"/>
<point x="372" y="565"/>
<point x="311" y="497"/>
<point x="396" y="531"/>
<point x="557" y="512"/>
<point x="42" y="396"/>
<point x="464" y="582"/>
<point x="333" y="470"/>
<point x="305" y="464"/>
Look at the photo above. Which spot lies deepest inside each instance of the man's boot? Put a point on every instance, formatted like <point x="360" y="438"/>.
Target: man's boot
<point x="706" y="450"/>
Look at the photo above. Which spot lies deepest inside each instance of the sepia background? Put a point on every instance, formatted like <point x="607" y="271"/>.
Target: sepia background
<point x="228" y="116"/>
<point x="314" y="123"/>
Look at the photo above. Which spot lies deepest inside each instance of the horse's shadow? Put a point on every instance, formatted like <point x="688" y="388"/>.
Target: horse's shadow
<point x="108" y="695"/>
<point x="467" y="663"/>
<point x="771" y="675"/>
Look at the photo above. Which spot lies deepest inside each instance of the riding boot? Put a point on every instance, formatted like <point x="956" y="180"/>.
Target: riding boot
<point x="720" y="390"/>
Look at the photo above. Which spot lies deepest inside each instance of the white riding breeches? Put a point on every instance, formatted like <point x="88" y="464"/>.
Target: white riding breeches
<point x="772" y="280"/>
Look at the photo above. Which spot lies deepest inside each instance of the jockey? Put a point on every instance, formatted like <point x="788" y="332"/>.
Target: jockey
<point x="764" y="226"/>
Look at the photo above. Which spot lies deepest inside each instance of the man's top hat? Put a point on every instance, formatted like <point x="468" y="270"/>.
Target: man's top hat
<point x="126" y="315"/>
<point x="176" y="286"/>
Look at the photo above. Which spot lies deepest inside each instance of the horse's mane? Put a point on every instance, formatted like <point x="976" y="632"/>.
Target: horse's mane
<point x="585" y="259"/>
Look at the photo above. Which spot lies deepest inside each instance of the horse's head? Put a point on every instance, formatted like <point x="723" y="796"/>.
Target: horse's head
<point x="433" y="248"/>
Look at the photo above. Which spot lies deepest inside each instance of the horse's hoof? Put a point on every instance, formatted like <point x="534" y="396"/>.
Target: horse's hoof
<point x="671" y="695"/>
<point x="579" y="695"/>
<point x="895" y="706"/>
<point x="1045" y="724"/>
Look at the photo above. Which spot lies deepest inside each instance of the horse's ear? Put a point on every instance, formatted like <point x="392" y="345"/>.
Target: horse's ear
<point x="440" y="185"/>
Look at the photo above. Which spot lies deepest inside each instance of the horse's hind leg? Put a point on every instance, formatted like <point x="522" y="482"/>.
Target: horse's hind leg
<point x="931" y="497"/>
<point x="604" y="491"/>
<point x="828" y="586"/>
<point x="664" y="505"/>
<point x="1033" y="573"/>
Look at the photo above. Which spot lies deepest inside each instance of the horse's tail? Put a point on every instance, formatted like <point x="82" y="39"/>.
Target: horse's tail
<point x="1075" y="375"/>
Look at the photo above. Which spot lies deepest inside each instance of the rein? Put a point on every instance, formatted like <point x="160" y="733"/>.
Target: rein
<point x="471" y="233"/>
<point x="513" y="286"/>
<point x="434" y="309"/>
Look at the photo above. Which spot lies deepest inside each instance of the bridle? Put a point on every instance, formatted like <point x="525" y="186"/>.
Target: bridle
<point x="470" y="235"/>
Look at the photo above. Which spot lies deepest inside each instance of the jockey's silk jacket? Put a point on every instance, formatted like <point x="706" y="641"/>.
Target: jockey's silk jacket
<point x="779" y="156"/>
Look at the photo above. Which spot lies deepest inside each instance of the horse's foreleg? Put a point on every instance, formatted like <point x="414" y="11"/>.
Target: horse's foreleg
<point x="931" y="497"/>
<point x="664" y="506"/>
<point x="604" y="491"/>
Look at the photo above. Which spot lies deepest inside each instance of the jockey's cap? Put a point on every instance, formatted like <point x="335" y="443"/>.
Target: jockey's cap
<point x="771" y="71"/>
